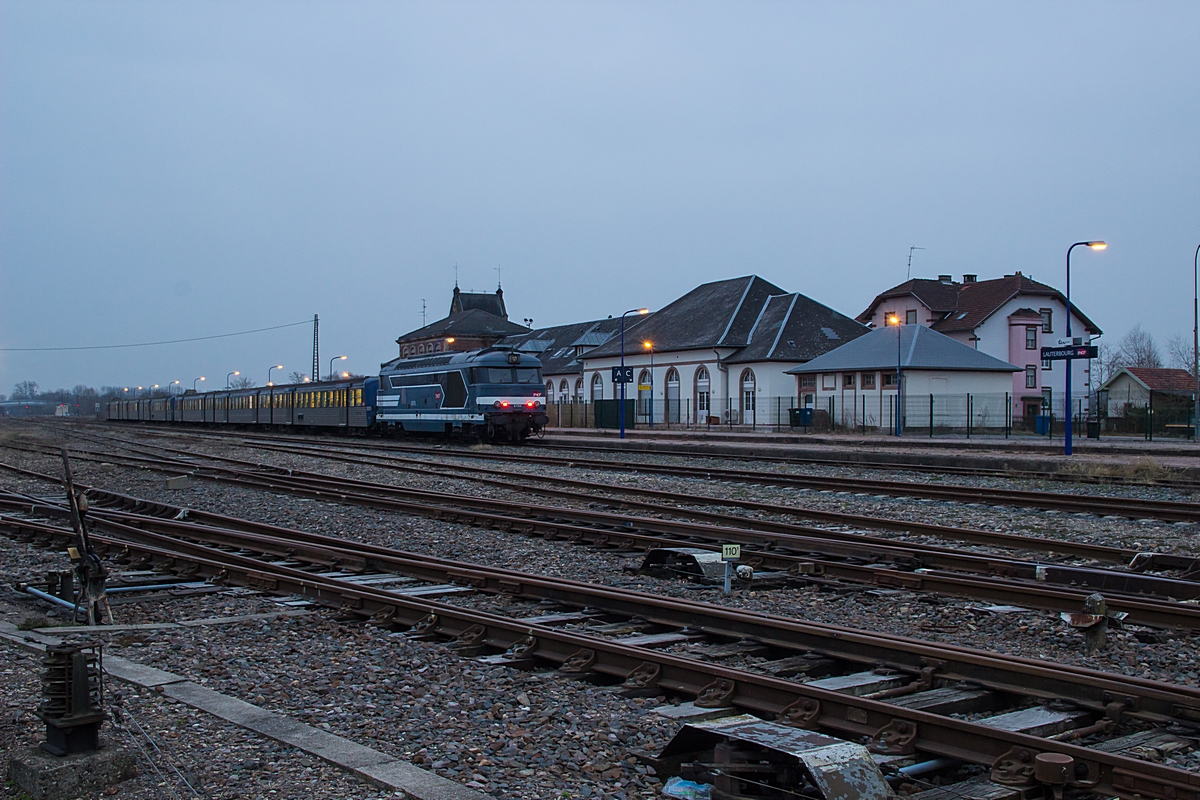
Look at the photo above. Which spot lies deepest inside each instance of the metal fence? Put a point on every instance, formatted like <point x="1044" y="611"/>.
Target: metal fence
<point x="967" y="414"/>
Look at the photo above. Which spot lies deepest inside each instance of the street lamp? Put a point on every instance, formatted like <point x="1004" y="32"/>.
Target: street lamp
<point x="650" y="346"/>
<point x="195" y="382"/>
<point x="230" y="375"/>
<point x="1095" y="245"/>
<point x="1196" y="341"/>
<point x="277" y="366"/>
<point x="335" y="358"/>
<point x="621" y="407"/>
<point x="894" y="320"/>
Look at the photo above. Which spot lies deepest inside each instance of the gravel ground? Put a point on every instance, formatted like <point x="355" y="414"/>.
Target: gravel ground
<point x="569" y="739"/>
<point x="217" y="759"/>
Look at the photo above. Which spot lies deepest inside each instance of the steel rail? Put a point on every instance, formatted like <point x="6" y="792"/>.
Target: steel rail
<point x="769" y="550"/>
<point x="893" y="465"/>
<point x="842" y="714"/>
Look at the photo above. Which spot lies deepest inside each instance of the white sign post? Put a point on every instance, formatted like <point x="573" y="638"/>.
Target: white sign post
<point x="729" y="554"/>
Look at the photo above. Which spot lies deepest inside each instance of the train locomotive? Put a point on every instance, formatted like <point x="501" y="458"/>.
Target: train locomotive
<point x="491" y="395"/>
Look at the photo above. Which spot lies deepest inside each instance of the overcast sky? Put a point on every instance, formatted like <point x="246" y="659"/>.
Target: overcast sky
<point x="170" y="170"/>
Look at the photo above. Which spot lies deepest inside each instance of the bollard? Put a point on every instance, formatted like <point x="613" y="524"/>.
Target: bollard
<point x="1096" y="636"/>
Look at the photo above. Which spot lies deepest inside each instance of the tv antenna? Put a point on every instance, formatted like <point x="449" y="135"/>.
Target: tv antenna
<point x="423" y="323"/>
<point x="910" y="252"/>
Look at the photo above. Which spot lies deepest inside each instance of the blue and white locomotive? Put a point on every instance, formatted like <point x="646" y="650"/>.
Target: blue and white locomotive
<point x="495" y="394"/>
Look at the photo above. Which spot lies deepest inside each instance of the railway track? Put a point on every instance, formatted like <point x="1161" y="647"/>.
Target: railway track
<point x="1100" y="505"/>
<point x="907" y="716"/>
<point x="806" y="558"/>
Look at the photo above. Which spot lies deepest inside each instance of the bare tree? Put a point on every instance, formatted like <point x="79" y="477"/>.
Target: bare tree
<point x="1137" y="349"/>
<point x="242" y="383"/>
<point x="25" y="390"/>
<point x="1179" y="353"/>
<point x="297" y="377"/>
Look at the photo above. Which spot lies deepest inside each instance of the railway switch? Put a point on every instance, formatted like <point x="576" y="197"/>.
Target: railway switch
<point x="72" y="698"/>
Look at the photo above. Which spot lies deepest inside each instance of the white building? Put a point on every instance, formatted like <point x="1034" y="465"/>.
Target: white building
<point x="940" y="376"/>
<point x="1010" y="318"/>
<point x="720" y="352"/>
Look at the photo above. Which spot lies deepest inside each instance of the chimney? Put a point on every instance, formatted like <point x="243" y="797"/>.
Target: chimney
<point x="970" y="278"/>
<point x="945" y="279"/>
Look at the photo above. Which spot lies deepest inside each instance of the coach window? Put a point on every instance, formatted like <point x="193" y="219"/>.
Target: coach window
<point x="597" y="387"/>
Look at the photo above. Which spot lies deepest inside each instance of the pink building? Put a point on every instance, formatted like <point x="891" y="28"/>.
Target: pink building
<point x="1010" y="318"/>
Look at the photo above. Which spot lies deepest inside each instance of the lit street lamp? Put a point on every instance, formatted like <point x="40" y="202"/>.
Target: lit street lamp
<point x="621" y="407"/>
<point x="335" y="358"/>
<point x="650" y="346"/>
<point x="230" y="375"/>
<point x="1196" y="341"/>
<point x="894" y="320"/>
<point x="277" y="366"/>
<point x="194" y="389"/>
<point x="1095" y="245"/>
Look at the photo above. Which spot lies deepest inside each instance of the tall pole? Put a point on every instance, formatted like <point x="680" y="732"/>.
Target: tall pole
<point x="335" y="358"/>
<point x="316" y="370"/>
<point x="269" y="370"/>
<point x="621" y="407"/>
<point x="1096" y="245"/>
<point x="899" y="378"/>
<point x="230" y="375"/>
<point x="1196" y="341"/>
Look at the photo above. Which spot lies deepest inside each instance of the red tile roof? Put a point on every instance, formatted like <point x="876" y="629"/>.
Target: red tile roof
<point x="1178" y="381"/>
<point x="964" y="306"/>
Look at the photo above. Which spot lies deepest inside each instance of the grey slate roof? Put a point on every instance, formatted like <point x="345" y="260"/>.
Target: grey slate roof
<point x="793" y="327"/>
<point x="558" y="344"/>
<point x="718" y="314"/>
<point x="482" y="301"/>
<point x="919" y="348"/>
<point x="466" y="323"/>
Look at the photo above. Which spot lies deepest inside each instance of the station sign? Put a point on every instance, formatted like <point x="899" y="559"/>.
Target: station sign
<point x="1076" y="351"/>
<point x="731" y="552"/>
<point x="622" y="374"/>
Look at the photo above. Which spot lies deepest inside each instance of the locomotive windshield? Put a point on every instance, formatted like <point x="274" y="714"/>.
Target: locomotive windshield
<point x="508" y="375"/>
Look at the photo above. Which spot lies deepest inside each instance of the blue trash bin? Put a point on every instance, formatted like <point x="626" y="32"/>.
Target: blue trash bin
<point x="1041" y="425"/>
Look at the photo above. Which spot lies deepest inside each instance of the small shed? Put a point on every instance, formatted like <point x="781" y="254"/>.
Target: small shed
<point x="942" y="377"/>
<point x="1136" y="388"/>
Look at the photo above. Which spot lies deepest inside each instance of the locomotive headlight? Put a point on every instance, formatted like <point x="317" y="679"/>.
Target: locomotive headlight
<point x="496" y="404"/>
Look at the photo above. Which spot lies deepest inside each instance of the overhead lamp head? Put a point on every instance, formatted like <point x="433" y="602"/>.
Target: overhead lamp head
<point x="1098" y="245"/>
<point x="643" y="311"/>
<point x="648" y="345"/>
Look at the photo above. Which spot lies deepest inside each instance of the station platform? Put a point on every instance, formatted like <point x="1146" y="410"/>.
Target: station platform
<point x="1180" y="458"/>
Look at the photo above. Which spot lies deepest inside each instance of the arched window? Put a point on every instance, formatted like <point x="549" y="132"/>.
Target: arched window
<point x="703" y="395"/>
<point x="564" y="391"/>
<point x="597" y="387"/>
<point x="579" y="391"/>
<point x="549" y="392"/>
<point x="672" y="396"/>
<point x="645" y="396"/>
<point x="749" y="403"/>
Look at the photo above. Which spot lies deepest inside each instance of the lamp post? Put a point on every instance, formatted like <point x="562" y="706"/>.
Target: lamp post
<point x="1196" y="341"/>
<point x="230" y="375"/>
<point x="621" y="407"/>
<point x="1095" y="245"/>
<point x="197" y="380"/>
<point x="894" y="320"/>
<point x="335" y="358"/>
<point x="277" y="366"/>
<point x="650" y="346"/>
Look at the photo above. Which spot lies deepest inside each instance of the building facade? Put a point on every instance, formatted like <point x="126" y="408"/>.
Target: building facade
<point x="1009" y="318"/>
<point x="476" y="320"/>
<point x="719" y="353"/>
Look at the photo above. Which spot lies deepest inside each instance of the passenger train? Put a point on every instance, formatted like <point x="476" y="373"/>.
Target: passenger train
<point x="496" y="394"/>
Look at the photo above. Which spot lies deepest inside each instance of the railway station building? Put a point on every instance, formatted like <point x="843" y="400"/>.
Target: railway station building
<point x="1009" y="318"/>
<point x="719" y="354"/>
<point x="476" y="320"/>
<point x="561" y="350"/>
